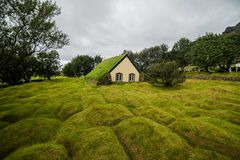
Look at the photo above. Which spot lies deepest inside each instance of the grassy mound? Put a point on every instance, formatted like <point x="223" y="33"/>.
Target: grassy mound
<point x="40" y="152"/>
<point x="108" y="114"/>
<point x="3" y="124"/>
<point x="92" y="143"/>
<point x="203" y="113"/>
<point x="50" y="110"/>
<point x="201" y="154"/>
<point x="155" y="114"/>
<point x="145" y="139"/>
<point x="202" y="133"/>
<point x="68" y="109"/>
<point x="27" y="132"/>
<point x="19" y="113"/>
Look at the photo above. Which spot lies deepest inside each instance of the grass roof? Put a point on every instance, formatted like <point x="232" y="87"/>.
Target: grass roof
<point x="104" y="67"/>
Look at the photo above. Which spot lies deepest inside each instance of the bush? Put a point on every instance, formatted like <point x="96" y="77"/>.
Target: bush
<point x="166" y="73"/>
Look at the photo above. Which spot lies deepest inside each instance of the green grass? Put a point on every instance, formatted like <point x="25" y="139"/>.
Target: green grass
<point x="27" y="132"/>
<point x="212" y="74"/>
<point x="43" y="151"/>
<point x="74" y="119"/>
<point x="104" y="67"/>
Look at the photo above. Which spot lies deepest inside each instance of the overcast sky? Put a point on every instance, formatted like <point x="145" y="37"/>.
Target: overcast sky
<point x="107" y="27"/>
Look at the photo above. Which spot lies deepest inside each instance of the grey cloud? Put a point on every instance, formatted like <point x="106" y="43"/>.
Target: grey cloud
<point x="107" y="27"/>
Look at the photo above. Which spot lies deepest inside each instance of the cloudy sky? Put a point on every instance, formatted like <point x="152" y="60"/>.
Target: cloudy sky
<point x="107" y="27"/>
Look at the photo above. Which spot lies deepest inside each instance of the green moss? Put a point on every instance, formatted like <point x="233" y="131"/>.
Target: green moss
<point x="92" y="143"/>
<point x="27" y="132"/>
<point x="43" y="151"/>
<point x="104" y="67"/>
<point x="145" y="139"/>
<point x="202" y="133"/>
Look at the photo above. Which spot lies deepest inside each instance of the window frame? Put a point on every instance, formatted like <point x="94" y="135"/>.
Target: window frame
<point x="131" y="77"/>
<point x="119" y="77"/>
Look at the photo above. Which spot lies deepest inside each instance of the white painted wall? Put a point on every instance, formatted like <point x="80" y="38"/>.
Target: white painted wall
<point x="125" y="67"/>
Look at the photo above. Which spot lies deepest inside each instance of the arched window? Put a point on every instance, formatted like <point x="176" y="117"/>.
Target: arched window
<point x="131" y="77"/>
<point x="119" y="77"/>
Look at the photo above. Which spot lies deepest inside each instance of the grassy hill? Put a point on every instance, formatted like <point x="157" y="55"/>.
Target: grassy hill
<point x="70" y="118"/>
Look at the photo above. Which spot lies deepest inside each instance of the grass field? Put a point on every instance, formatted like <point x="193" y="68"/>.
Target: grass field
<point x="70" y="118"/>
<point x="212" y="74"/>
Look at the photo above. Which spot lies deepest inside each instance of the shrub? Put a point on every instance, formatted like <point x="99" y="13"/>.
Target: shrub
<point x="40" y="152"/>
<point x="166" y="73"/>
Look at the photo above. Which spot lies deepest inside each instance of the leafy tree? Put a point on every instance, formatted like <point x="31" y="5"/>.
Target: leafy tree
<point x="166" y="73"/>
<point x="179" y="50"/>
<point x="48" y="64"/>
<point x="97" y="60"/>
<point x="68" y="70"/>
<point x="81" y="65"/>
<point x="213" y="50"/>
<point x="26" y="27"/>
<point x="149" y="56"/>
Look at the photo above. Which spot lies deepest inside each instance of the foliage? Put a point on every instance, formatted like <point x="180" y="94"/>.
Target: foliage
<point x="48" y="64"/>
<point x="27" y="27"/>
<point x="122" y="121"/>
<point x="42" y="151"/>
<point x="148" y="56"/>
<point x="68" y="70"/>
<point x="212" y="50"/>
<point x="166" y="73"/>
<point x="81" y="65"/>
<point x="179" y="50"/>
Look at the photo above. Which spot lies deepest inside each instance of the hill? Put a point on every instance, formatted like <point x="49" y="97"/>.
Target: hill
<point x="231" y="29"/>
<point x="71" y="118"/>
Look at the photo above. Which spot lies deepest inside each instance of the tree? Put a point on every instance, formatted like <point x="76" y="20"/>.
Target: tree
<point x="149" y="56"/>
<point x="81" y="65"/>
<point x="179" y="50"/>
<point x="68" y="70"/>
<point x="26" y="27"/>
<point x="166" y="73"/>
<point x="97" y="60"/>
<point x="48" y="64"/>
<point x="213" y="50"/>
